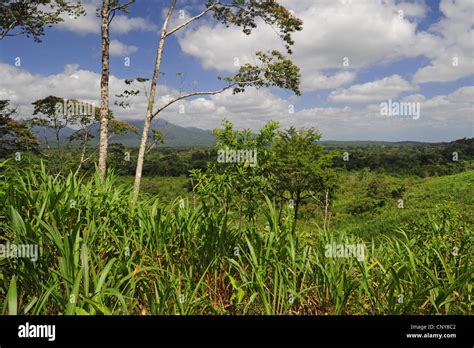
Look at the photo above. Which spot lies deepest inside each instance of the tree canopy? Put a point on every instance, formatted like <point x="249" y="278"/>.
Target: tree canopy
<point x="15" y="135"/>
<point x="30" y="17"/>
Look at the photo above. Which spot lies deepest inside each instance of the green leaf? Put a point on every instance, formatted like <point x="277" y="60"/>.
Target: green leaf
<point x="12" y="297"/>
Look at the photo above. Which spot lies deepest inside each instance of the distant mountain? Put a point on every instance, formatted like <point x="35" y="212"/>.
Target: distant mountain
<point x="177" y="136"/>
<point x="174" y="136"/>
<point x="369" y="142"/>
<point x="46" y="135"/>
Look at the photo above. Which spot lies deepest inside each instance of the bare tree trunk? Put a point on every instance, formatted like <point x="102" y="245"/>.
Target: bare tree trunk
<point x="151" y="101"/>
<point x="194" y="193"/>
<point x="83" y="152"/>
<point x="297" y="206"/>
<point x="104" y="90"/>
<point x="280" y="210"/>
<point x="60" y="167"/>
<point x="326" y="206"/>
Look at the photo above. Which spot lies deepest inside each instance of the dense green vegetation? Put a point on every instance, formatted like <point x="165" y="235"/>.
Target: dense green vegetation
<point x="101" y="255"/>
<point x="410" y="159"/>
<point x="182" y="252"/>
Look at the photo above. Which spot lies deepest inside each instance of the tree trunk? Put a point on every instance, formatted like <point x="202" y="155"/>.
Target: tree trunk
<point x="326" y="206"/>
<point x="297" y="206"/>
<point x="59" y="154"/>
<point x="104" y="90"/>
<point x="194" y="193"/>
<point x="280" y="210"/>
<point x="83" y="152"/>
<point x="151" y="101"/>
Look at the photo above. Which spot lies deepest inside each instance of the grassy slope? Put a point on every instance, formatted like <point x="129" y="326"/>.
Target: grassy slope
<point x="167" y="188"/>
<point x="421" y="197"/>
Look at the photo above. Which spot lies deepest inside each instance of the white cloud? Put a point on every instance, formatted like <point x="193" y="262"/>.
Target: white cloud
<point x="454" y="35"/>
<point x="90" y="23"/>
<point x="86" y="24"/>
<point x="23" y="88"/>
<point x="443" y="118"/>
<point x="118" y="48"/>
<point x="331" y="32"/>
<point x="320" y="81"/>
<point x="124" y="24"/>
<point x="388" y="87"/>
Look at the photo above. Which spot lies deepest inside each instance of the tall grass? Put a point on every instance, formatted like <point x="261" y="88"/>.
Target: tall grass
<point x="101" y="255"/>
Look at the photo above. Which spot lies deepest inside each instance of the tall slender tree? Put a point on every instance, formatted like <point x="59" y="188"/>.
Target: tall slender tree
<point x="107" y="13"/>
<point x="275" y="69"/>
<point x="104" y="89"/>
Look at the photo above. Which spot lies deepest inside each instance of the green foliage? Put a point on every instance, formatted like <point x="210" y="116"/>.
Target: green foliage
<point x="239" y="184"/>
<point x="275" y="71"/>
<point x="56" y="114"/>
<point x="421" y="197"/>
<point x="245" y="14"/>
<point x="376" y="192"/>
<point x="14" y="134"/>
<point x="101" y="255"/>
<point x="30" y="17"/>
<point x="301" y="167"/>
<point x="422" y="160"/>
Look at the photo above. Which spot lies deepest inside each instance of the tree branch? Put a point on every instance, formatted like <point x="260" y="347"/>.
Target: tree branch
<point x="190" y="20"/>
<point x="151" y="147"/>
<point x="192" y="94"/>
<point x="119" y="7"/>
<point x="88" y="158"/>
<point x="111" y="17"/>
<point x="4" y="33"/>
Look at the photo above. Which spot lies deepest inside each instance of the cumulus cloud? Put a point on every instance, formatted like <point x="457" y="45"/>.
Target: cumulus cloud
<point x="90" y="22"/>
<point x="124" y="24"/>
<point x="443" y="117"/>
<point x="334" y="33"/>
<point x="118" y="48"/>
<point x="23" y="88"/>
<point x="454" y="35"/>
<point x="388" y="87"/>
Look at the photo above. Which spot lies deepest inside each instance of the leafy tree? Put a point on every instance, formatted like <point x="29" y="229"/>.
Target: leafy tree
<point x="50" y="116"/>
<point x="30" y="17"/>
<point x="301" y="169"/>
<point x="57" y="113"/>
<point x="240" y="183"/>
<point x="274" y="68"/>
<point x="83" y="135"/>
<point x="14" y="135"/>
<point x="87" y="122"/>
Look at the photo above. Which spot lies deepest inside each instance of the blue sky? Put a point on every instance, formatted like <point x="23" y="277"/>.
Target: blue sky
<point x="403" y="56"/>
